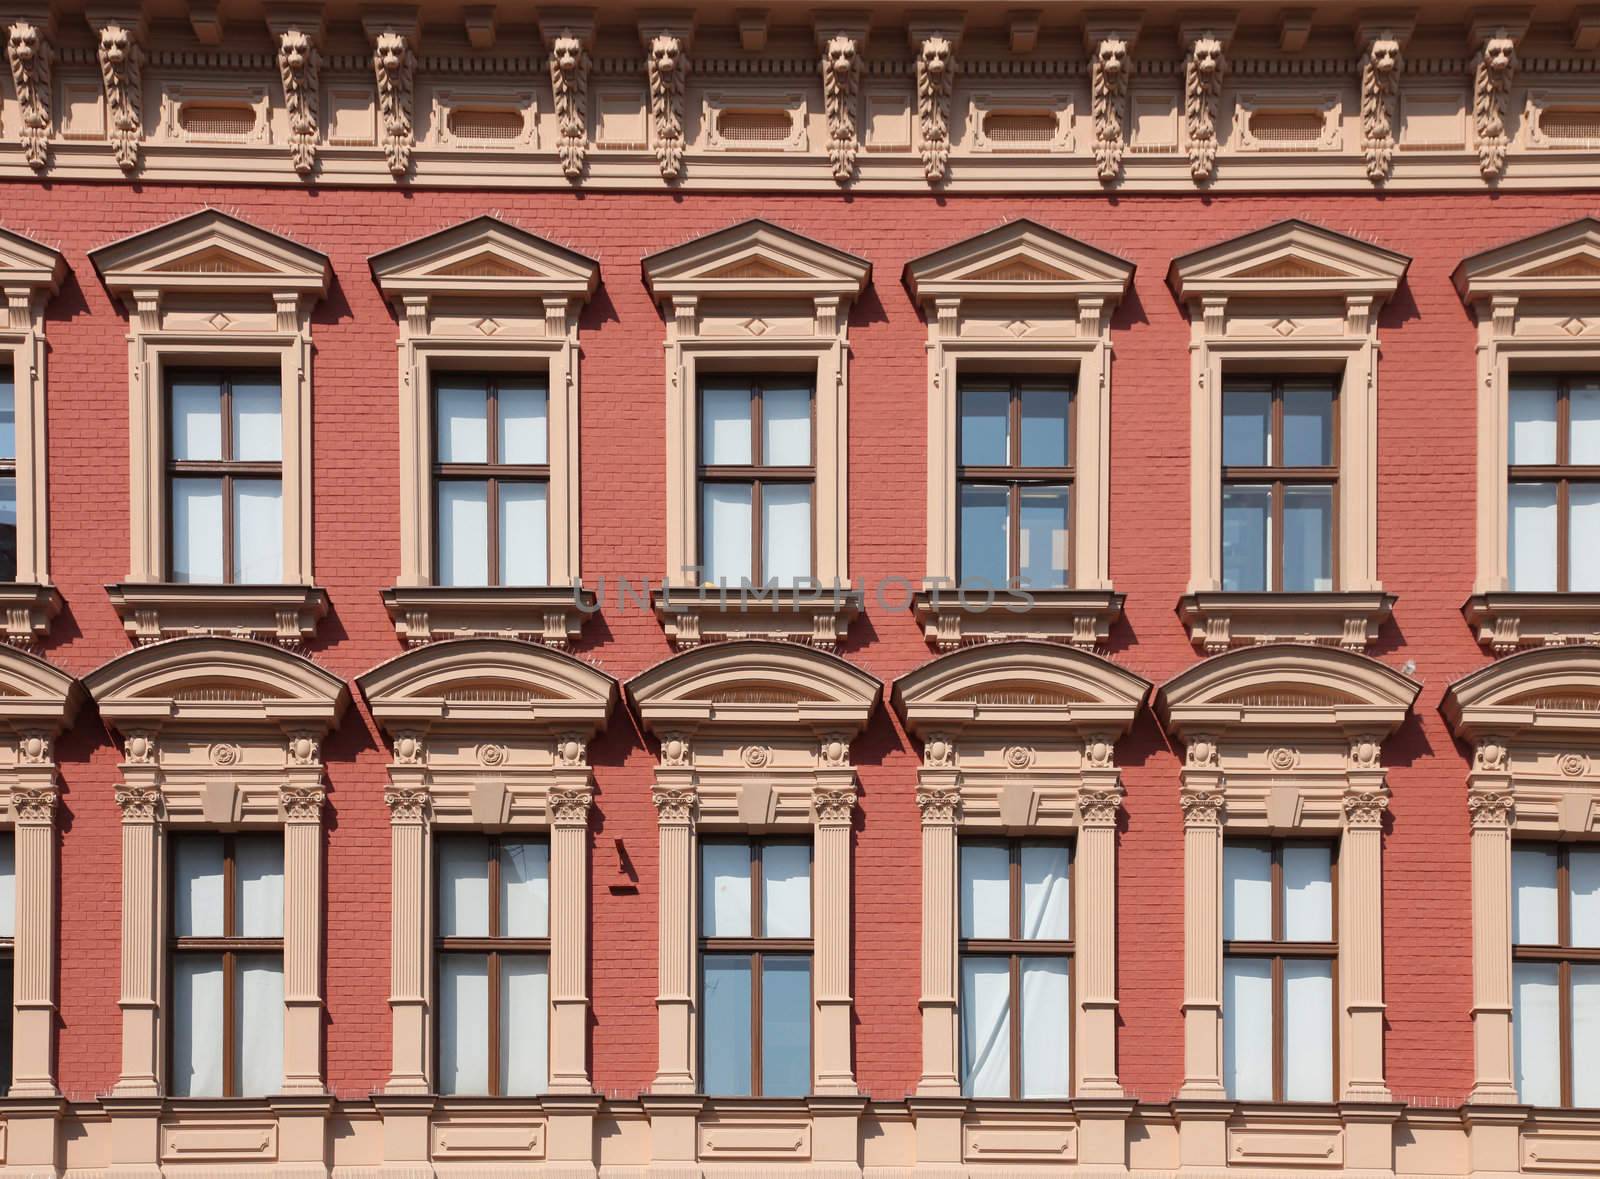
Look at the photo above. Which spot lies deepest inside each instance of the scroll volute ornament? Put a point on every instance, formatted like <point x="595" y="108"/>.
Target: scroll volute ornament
<point x="1492" y="69"/>
<point x="569" y="81"/>
<point x="1202" y="93"/>
<point x="395" y="66"/>
<point x="299" y="66"/>
<point x="668" y="66"/>
<point x="841" y="86"/>
<point x="122" y="75"/>
<point x="29" y="54"/>
<point x="1108" y="103"/>
<point x="936" y="67"/>
<point x="1380" y="91"/>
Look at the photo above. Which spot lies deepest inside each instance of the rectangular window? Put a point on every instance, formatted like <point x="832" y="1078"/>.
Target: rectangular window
<point x="1555" y="951"/>
<point x="1016" y="969"/>
<point x="755" y="968"/>
<point x="758" y="472"/>
<point x="494" y="965"/>
<point x="227" y="965"/>
<point x="491" y="476"/>
<point x="1280" y="482"/>
<point x="1553" y="499"/>
<point x="8" y="934"/>
<point x="1280" y="949"/>
<point x="224" y="477"/>
<point x="8" y="479"/>
<point x="1014" y="483"/>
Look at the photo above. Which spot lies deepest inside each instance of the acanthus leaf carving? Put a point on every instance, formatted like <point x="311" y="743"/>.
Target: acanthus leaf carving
<point x="1492" y="70"/>
<point x="834" y="806"/>
<point x="139" y="749"/>
<point x="1099" y="750"/>
<point x="1098" y="807"/>
<point x="571" y="805"/>
<point x="673" y="805"/>
<point x="1201" y="754"/>
<point x="33" y="749"/>
<point x="1491" y="756"/>
<point x="1202" y="93"/>
<point x="302" y="803"/>
<point x="1380" y="91"/>
<point x="833" y="752"/>
<point x="939" y="752"/>
<point x="841" y="85"/>
<point x="35" y="804"/>
<point x="300" y="66"/>
<point x="667" y="66"/>
<point x="569" y="81"/>
<point x="30" y="55"/>
<point x="1108" y="103"/>
<point x="1365" y="753"/>
<point x="572" y="751"/>
<point x="1490" y="808"/>
<point x="674" y="750"/>
<point x="139" y="804"/>
<point x="408" y="749"/>
<point x="936" y="67"/>
<point x="1364" y="808"/>
<point x="939" y="804"/>
<point x="304" y="749"/>
<point x="406" y="805"/>
<point x="1201" y="808"/>
<point x="394" y="64"/>
<point x="122" y="74"/>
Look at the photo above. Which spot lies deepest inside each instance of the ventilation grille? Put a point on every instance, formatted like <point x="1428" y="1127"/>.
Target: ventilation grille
<point x="770" y="127"/>
<point x="1288" y="130"/>
<point x="1571" y="126"/>
<point x="217" y="122"/>
<point x="494" y="125"/>
<point x="1021" y="128"/>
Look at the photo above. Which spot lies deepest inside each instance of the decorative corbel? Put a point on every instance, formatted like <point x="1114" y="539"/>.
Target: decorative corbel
<point x="1024" y="29"/>
<point x="479" y="22"/>
<point x="568" y="36"/>
<point x="1110" y="42"/>
<point x="30" y="54"/>
<point x="752" y="29"/>
<point x="299" y="37"/>
<point x="1381" y="41"/>
<point x="394" y="66"/>
<point x="121" y="57"/>
<point x="205" y="20"/>
<point x="935" y="45"/>
<point x="1494" y="63"/>
<point x="1205" y="45"/>
<point x="842" y="40"/>
<point x="666" y="42"/>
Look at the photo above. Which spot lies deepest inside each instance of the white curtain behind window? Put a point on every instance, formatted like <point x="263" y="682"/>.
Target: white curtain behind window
<point x="1307" y="893"/>
<point x="197" y="883"/>
<point x="1046" y="1005"/>
<point x="258" y="530"/>
<point x="1247" y="1028"/>
<point x="8" y="887"/>
<point x="786" y="890"/>
<point x="524" y="1024"/>
<point x="786" y="532"/>
<point x="725" y="890"/>
<point x="1536" y="1028"/>
<point x="525" y="889"/>
<point x="257" y="422"/>
<point x="1583" y="502"/>
<point x="1532" y="556"/>
<point x="1246" y="893"/>
<point x="985" y="890"/>
<point x="726" y="533"/>
<point x="524" y="534"/>
<point x="1533" y="897"/>
<point x="197" y="1025"/>
<point x="524" y="423"/>
<point x="463" y="532"/>
<point x="1307" y="1030"/>
<point x="1045" y="904"/>
<point x="986" y="1027"/>
<point x="197" y="530"/>
<point x="1583" y="882"/>
<point x="464" y="1024"/>
<point x="464" y="886"/>
<point x="258" y="885"/>
<point x="1585" y="1035"/>
<point x="258" y="1013"/>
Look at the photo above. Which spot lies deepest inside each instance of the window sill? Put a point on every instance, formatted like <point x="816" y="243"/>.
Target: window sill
<point x="820" y="617"/>
<point x="548" y="614"/>
<point x="1507" y="621"/>
<point x="282" y="614"/>
<point x="28" y="609"/>
<point x="1081" y="618"/>
<point x="1218" y="620"/>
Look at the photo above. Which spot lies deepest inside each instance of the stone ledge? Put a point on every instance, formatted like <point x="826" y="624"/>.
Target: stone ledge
<point x="817" y="617"/>
<point x="28" y="609"/>
<point x="282" y="614"/>
<point x="1081" y="618"/>
<point x="548" y="614"/>
<point x="1506" y="621"/>
<point x="1219" y="620"/>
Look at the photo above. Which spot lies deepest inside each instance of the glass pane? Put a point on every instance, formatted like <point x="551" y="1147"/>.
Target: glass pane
<point x="725" y="425"/>
<point x="1532" y="560"/>
<point x="1308" y="425"/>
<point x="1583" y="884"/>
<point x="1307" y="1029"/>
<point x="1307" y="893"/>
<point x="1246" y="892"/>
<point x="258" y="1023"/>
<point x="1246" y="537"/>
<point x="196" y="419"/>
<point x="197" y="530"/>
<point x="1533" y="897"/>
<point x="258" y="531"/>
<point x="461" y="413"/>
<point x="786" y="890"/>
<point x="725" y="1025"/>
<point x="463" y="532"/>
<point x="1045" y="907"/>
<point x="524" y="534"/>
<point x="258" y="885"/>
<point x="1046" y="1004"/>
<point x="1583" y="527"/>
<point x="524" y="422"/>
<point x="197" y="902"/>
<point x="257" y="421"/>
<point x="985" y="890"/>
<point x="8" y="529"/>
<point x="1583" y="445"/>
<point x="1585" y="1035"/>
<point x="1044" y="427"/>
<point x="524" y="1024"/>
<point x="1536" y="1032"/>
<point x="464" y="1023"/>
<point x="785" y="1026"/>
<point x="1044" y="532"/>
<point x="1307" y="538"/>
<point x="985" y="427"/>
<point x="463" y="886"/>
<point x="197" y="1029"/>
<point x="725" y="533"/>
<point x="8" y="415"/>
<point x="725" y="890"/>
<point x="8" y="889"/>
<point x="1246" y="426"/>
<point x="786" y="427"/>
<point x="1532" y="421"/>
<point x="985" y="531"/>
<point x="1247" y="1028"/>
<point x="524" y="889"/>
<point x="986" y="1027"/>
<point x="786" y="532"/>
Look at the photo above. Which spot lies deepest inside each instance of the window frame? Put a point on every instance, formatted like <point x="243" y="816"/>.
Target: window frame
<point x="227" y="946"/>
<point x="754" y="473"/>
<point x="8" y="964"/>
<point x="1563" y="472"/>
<point x="1278" y="948"/>
<point x="488" y="471"/>
<point x="1015" y="947"/>
<point x="1278" y="475"/>
<point x="491" y="946"/>
<point x="1014" y="476"/>
<point x="756" y="945"/>
<point x="9" y="466"/>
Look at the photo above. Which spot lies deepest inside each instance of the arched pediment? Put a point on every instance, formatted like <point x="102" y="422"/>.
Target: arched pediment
<point x="1020" y="259"/>
<point x="35" y="694"/>
<point x="1287" y="260"/>
<point x="208" y="679"/>
<point x="484" y="256"/>
<point x="1019" y="684"/>
<point x="753" y="683"/>
<point x="1547" y="690"/>
<point x="1287" y="685"/>
<point x="1560" y="261"/>
<point x="755" y="258"/>
<point x="488" y="681"/>
<point x="211" y="251"/>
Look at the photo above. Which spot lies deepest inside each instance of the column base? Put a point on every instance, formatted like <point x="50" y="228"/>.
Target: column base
<point x="407" y="1150"/>
<point x="1202" y="1131"/>
<point x="1493" y="1093"/>
<point x="674" y="1134"/>
<point x="939" y="1143"/>
<point x="1103" y="1131"/>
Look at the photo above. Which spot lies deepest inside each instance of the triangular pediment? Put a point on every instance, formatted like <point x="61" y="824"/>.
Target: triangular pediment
<point x="1292" y="259"/>
<point x="1020" y="259"/>
<point x="211" y="251"/>
<point x="755" y="258"/>
<point x="485" y="256"/>
<point x="1560" y="261"/>
<point x="1548" y="690"/>
<point x="26" y="263"/>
